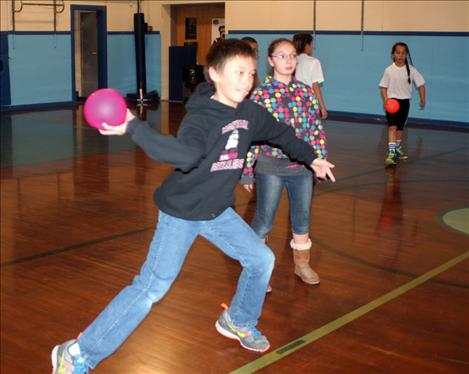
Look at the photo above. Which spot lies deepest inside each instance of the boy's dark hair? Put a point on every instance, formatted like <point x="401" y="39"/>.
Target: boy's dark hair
<point x="301" y="40"/>
<point x="249" y="39"/>
<point x="402" y="44"/>
<point x="219" y="53"/>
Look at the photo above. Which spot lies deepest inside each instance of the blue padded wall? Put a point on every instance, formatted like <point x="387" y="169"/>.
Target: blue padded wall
<point x="354" y="66"/>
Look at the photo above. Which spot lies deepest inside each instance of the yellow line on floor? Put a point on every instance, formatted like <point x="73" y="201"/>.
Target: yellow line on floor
<point x="289" y="348"/>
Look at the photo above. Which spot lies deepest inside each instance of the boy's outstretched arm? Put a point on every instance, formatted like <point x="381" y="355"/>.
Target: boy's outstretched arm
<point x="183" y="154"/>
<point x="282" y="135"/>
<point x="322" y="169"/>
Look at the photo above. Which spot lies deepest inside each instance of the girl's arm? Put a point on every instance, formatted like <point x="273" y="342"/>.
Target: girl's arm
<point x="247" y="177"/>
<point x="422" y="96"/>
<point x="322" y="105"/>
<point x="384" y="95"/>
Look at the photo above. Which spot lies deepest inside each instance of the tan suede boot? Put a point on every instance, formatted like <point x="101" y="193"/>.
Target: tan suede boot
<point x="301" y="254"/>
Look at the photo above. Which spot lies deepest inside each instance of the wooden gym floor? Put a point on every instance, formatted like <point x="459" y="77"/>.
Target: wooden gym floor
<point x="390" y="245"/>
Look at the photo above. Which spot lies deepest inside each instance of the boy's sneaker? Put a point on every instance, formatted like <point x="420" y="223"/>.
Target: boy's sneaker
<point x="390" y="159"/>
<point x="249" y="337"/>
<point x="400" y="155"/>
<point x="63" y="362"/>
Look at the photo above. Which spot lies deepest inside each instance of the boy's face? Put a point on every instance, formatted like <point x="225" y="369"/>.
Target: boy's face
<point x="234" y="81"/>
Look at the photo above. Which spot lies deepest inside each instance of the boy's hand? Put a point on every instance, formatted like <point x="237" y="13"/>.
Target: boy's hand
<point x="119" y="129"/>
<point x="322" y="168"/>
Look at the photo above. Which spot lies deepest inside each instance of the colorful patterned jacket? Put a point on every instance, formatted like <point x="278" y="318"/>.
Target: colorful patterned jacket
<point x="294" y="104"/>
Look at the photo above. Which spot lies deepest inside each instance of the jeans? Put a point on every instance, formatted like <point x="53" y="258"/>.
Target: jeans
<point x="268" y="193"/>
<point x="168" y="249"/>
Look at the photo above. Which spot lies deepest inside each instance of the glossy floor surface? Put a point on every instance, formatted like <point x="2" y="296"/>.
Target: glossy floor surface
<point x="77" y="216"/>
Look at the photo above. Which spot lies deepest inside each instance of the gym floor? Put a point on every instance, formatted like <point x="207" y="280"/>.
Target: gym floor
<point x="390" y="245"/>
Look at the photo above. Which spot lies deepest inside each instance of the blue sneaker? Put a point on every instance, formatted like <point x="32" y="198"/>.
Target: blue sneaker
<point x="63" y="362"/>
<point x="249" y="337"/>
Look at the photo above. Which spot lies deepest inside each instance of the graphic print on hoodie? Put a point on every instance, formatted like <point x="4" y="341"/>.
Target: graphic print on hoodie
<point x="229" y="159"/>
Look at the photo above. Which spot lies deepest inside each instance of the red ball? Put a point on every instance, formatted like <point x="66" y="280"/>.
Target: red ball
<point x="105" y="105"/>
<point x="392" y="106"/>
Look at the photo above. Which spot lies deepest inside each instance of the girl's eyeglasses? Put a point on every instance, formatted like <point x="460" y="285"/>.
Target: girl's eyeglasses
<point x="283" y="56"/>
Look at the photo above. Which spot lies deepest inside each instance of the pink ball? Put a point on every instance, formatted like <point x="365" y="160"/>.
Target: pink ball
<point x="105" y="105"/>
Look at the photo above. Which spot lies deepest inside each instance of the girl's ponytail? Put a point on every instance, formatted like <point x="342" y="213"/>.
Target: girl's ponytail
<point x="408" y="71"/>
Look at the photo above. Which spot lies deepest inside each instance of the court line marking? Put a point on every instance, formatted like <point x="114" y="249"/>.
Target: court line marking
<point x="314" y="335"/>
<point x="70" y="247"/>
<point x="456" y="219"/>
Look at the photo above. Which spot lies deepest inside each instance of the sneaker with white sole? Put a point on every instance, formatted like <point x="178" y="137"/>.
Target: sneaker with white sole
<point x="63" y="362"/>
<point x="400" y="155"/>
<point x="249" y="337"/>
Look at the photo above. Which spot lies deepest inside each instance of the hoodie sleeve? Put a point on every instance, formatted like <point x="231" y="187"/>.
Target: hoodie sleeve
<point x="251" y="158"/>
<point x="281" y="135"/>
<point x="183" y="152"/>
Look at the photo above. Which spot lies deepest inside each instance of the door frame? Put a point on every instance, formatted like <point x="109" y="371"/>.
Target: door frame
<point x="102" y="44"/>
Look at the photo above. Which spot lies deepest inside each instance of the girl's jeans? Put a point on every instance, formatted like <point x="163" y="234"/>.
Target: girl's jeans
<point x="168" y="249"/>
<point x="268" y="193"/>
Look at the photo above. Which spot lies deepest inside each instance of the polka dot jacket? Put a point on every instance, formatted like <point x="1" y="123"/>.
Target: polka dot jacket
<point x="294" y="104"/>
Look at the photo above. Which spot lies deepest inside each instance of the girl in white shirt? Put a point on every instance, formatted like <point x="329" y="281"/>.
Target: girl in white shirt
<point x="396" y="83"/>
<point x="308" y="68"/>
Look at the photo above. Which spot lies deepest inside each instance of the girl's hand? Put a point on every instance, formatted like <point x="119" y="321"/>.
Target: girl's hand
<point x="422" y="103"/>
<point x="248" y="187"/>
<point x="324" y="113"/>
<point x="119" y="129"/>
<point x="322" y="169"/>
<point x="384" y="104"/>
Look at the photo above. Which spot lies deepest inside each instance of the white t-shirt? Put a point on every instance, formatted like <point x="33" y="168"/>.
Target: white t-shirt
<point x="395" y="80"/>
<point x="308" y="69"/>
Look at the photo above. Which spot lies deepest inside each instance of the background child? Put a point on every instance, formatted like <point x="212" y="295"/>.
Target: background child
<point x="291" y="102"/>
<point x="308" y="68"/>
<point x="208" y="154"/>
<point x="255" y="46"/>
<point x="396" y="83"/>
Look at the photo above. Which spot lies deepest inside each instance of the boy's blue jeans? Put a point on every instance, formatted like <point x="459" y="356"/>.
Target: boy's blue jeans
<point x="268" y="193"/>
<point x="168" y="249"/>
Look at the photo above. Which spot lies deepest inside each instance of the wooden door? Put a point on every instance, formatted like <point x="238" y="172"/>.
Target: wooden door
<point x="200" y="18"/>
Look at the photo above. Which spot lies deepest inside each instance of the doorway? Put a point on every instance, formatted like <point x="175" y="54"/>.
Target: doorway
<point x="192" y="26"/>
<point x="89" y="57"/>
<point x="191" y="38"/>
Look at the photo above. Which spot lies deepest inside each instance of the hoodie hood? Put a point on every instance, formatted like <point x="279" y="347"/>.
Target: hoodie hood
<point x="201" y="102"/>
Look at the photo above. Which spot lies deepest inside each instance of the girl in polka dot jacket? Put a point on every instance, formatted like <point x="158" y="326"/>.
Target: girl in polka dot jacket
<point x="292" y="102"/>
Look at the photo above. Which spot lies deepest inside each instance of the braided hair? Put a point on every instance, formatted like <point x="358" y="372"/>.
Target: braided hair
<point x="402" y="44"/>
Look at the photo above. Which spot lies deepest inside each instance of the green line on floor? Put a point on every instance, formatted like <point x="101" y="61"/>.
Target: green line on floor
<point x="291" y="347"/>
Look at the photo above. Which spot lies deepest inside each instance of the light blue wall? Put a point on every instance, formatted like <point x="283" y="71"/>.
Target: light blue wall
<point x="41" y="68"/>
<point x="121" y="62"/>
<point x="354" y="66"/>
